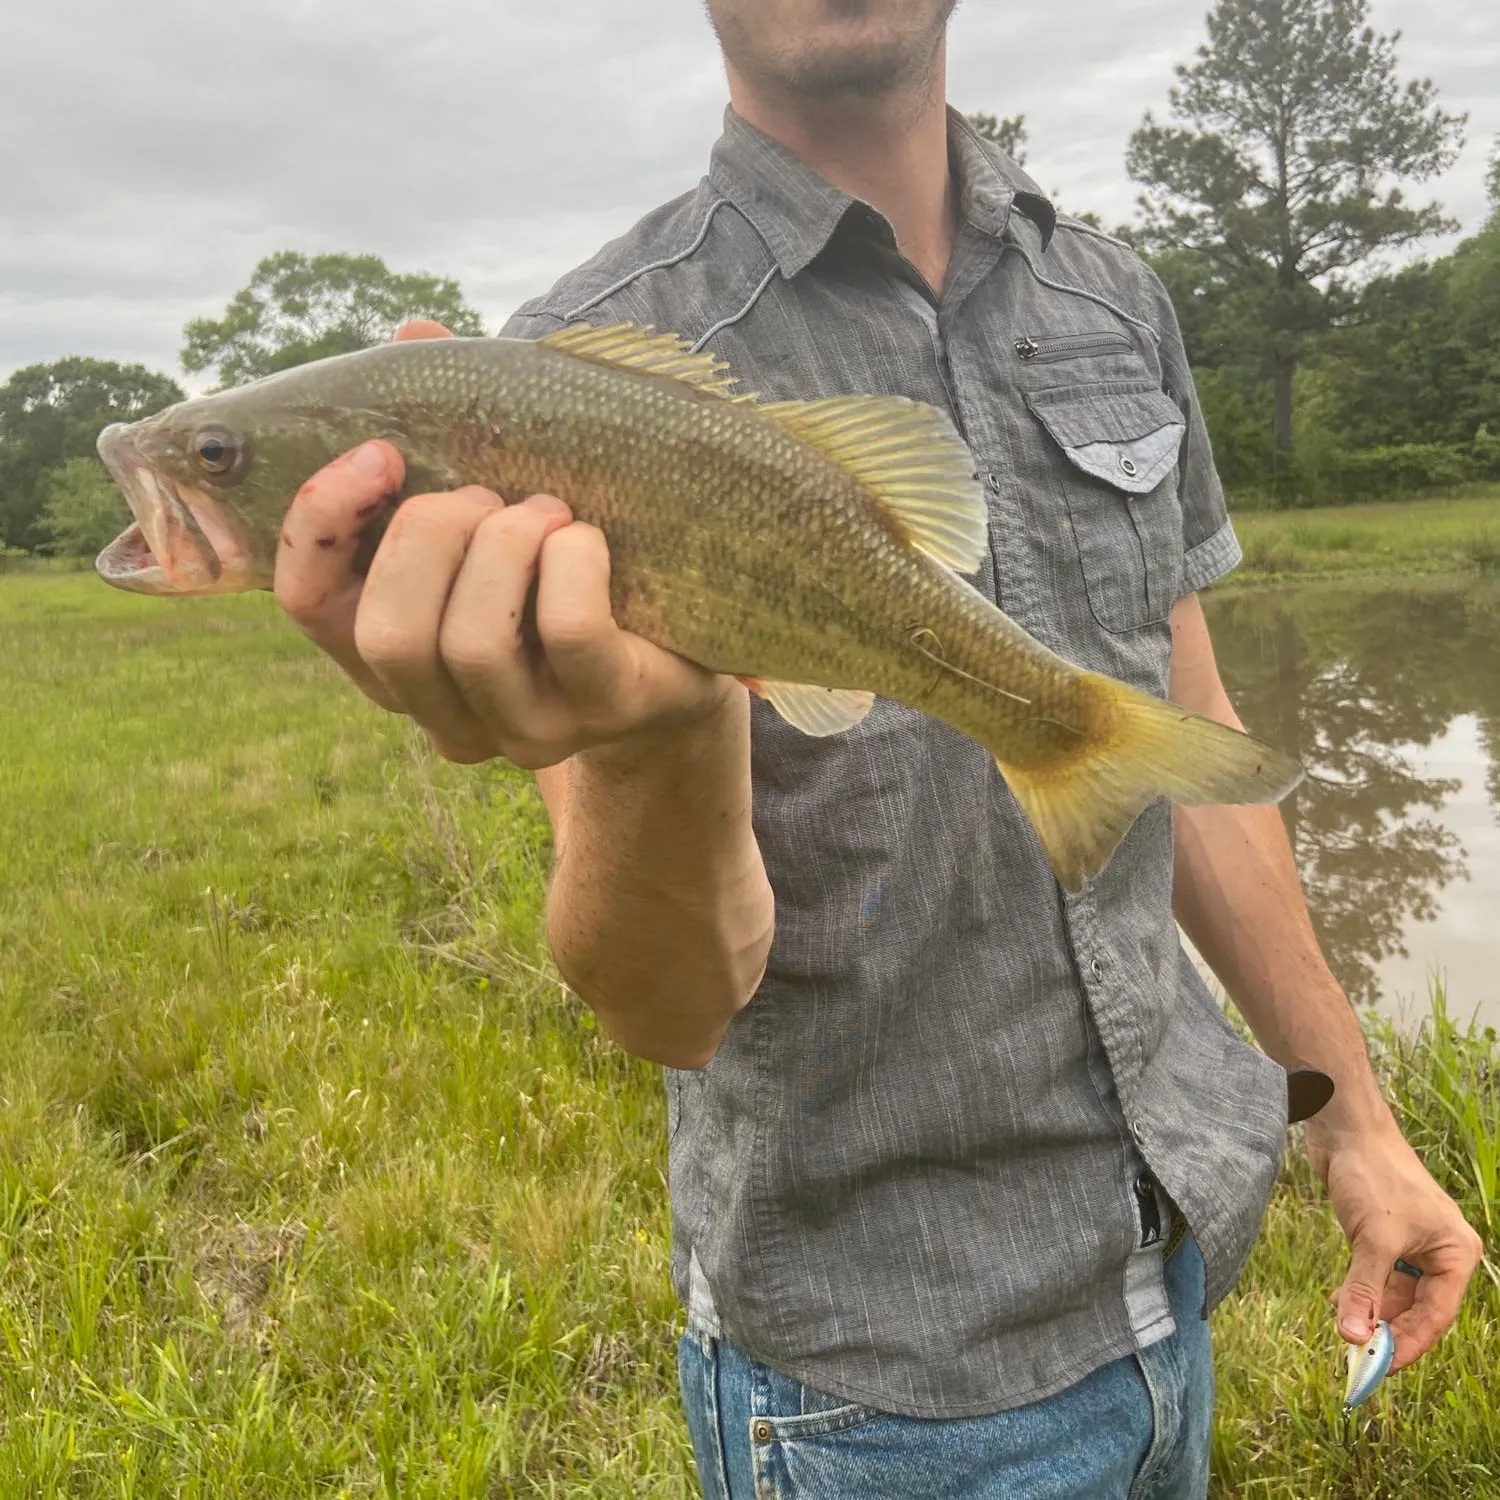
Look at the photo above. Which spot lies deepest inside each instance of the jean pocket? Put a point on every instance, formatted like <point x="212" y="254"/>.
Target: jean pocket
<point x="822" y="1421"/>
<point x="1119" y="484"/>
<point x="849" y="1451"/>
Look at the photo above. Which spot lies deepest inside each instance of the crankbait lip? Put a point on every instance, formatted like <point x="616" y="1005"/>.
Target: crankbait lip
<point x="1368" y="1364"/>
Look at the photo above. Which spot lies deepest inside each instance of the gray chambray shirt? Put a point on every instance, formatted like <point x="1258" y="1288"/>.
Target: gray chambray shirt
<point x="912" y="1176"/>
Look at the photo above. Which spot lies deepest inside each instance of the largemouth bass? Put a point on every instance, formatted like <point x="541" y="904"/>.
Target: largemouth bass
<point x="811" y="548"/>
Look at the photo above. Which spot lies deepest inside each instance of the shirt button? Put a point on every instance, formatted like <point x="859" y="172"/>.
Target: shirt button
<point x="1096" y="968"/>
<point x="1138" y="1132"/>
<point x="1127" y="466"/>
<point x="761" y="1431"/>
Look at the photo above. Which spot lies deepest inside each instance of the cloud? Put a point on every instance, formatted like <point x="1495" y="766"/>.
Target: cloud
<point x="151" y="153"/>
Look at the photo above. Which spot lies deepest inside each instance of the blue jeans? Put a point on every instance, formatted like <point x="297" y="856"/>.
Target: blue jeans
<point x="1136" y="1429"/>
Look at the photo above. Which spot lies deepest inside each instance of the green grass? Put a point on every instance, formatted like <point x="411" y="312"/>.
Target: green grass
<point x="314" y="1181"/>
<point x="1433" y="1431"/>
<point x="1413" y="536"/>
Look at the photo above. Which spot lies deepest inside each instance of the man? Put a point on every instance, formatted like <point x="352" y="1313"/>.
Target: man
<point x="959" y="1161"/>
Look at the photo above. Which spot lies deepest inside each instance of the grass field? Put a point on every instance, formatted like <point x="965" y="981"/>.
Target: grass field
<point x="314" y="1181"/>
<point x="1406" y="537"/>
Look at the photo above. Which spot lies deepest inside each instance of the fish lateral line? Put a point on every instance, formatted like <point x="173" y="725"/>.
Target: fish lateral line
<point x="916" y="638"/>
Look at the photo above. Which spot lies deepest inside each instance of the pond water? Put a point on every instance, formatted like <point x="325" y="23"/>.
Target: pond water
<point x="1390" y="696"/>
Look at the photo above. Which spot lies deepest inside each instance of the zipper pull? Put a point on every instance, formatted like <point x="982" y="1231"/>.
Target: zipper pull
<point x="1145" y="1201"/>
<point x="1026" y="348"/>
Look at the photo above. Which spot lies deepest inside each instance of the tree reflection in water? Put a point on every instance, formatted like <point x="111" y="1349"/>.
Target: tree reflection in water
<point x="1350" y="679"/>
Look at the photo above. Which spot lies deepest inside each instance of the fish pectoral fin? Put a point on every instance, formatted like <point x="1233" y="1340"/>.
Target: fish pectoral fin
<point x="814" y="710"/>
<point x="910" y="458"/>
<point x="1084" y="804"/>
<point x="630" y="346"/>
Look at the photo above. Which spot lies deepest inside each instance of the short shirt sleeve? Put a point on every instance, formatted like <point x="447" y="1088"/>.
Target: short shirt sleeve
<point x="1209" y="545"/>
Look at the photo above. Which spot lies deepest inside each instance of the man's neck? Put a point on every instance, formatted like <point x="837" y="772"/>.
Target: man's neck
<point x="890" y="153"/>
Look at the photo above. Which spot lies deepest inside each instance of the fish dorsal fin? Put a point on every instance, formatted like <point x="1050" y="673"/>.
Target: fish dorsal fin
<point x="629" y="346"/>
<point x="910" y="458"/>
<point x="814" y="710"/>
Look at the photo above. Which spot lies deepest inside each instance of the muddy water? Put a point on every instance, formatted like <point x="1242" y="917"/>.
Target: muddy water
<point x="1390" y="696"/>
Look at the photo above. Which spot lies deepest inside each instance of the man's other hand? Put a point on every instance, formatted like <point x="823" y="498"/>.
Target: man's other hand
<point x="1391" y="1209"/>
<point x="489" y="624"/>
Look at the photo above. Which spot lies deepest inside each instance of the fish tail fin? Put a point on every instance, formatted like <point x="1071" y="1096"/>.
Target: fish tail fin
<point x="1082" y="808"/>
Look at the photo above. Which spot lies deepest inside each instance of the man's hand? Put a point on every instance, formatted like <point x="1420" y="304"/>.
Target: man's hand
<point x="489" y="624"/>
<point x="1391" y="1209"/>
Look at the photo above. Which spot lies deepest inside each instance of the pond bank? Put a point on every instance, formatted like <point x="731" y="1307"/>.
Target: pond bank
<point x="1460" y="535"/>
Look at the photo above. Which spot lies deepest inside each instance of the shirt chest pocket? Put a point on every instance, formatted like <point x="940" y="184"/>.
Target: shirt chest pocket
<point x="1115" y="453"/>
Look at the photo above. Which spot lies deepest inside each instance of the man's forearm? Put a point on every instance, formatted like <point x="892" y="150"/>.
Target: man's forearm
<point x="1239" y="899"/>
<point x="660" y="914"/>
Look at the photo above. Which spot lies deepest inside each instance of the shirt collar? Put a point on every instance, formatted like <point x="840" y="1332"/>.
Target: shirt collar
<point x="796" y="210"/>
<point x="991" y="184"/>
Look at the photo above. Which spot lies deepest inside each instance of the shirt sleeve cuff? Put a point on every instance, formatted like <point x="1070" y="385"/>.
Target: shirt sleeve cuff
<point x="1211" y="560"/>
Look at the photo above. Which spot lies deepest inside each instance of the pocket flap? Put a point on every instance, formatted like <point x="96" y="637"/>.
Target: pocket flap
<point x="1128" y="439"/>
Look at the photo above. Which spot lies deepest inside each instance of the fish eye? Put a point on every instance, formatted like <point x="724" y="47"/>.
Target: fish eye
<point x="215" y="451"/>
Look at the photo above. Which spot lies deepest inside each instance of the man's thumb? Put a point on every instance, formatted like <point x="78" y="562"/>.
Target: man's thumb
<point x="1358" y="1300"/>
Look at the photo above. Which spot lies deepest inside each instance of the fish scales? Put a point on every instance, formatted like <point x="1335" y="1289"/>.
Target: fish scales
<point x="811" y="548"/>
<point x="726" y="535"/>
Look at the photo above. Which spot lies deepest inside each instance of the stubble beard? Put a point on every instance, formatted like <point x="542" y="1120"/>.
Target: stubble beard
<point x="884" y="68"/>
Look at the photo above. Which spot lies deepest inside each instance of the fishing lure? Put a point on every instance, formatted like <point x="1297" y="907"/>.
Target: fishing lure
<point x="1368" y="1365"/>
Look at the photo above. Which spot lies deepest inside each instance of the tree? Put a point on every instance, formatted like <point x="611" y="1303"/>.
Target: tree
<point x="1422" y="362"/>
<point x="51" y="413"/>
<point x="1007" y="132"/>
<point x="299" y="308"/>
<point x="1285" y="175"/>
<point x="84" y="510"/>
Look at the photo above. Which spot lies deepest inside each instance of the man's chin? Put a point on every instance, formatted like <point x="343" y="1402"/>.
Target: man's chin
<point x="863" y="75"/>
<point x="832" y="50"/>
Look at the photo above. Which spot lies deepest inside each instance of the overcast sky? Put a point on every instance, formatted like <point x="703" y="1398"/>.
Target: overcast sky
<point x="151" y="152"/>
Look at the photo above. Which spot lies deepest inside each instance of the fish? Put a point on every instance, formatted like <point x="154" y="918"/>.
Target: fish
<point x="813" y="549"/>
<point x="1368" y="1365"/>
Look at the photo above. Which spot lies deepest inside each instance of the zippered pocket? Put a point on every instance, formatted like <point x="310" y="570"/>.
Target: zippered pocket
<point x="1034" y="350"/>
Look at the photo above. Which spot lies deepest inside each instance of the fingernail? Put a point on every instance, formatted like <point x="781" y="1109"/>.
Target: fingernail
<point x="369" y="459"/>
<point x="549" y="505"/>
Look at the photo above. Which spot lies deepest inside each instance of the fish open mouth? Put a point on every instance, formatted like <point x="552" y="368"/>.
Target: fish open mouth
<point x="129" y="563"/>
<point x="183" y="540"/>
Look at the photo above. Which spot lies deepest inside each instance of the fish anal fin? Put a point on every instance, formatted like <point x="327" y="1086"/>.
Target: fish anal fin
<point x="630" y="346"/>
<point x="1084" y="804"/>
<point x="814" y="710"/>
<point x="910" y="458"/>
